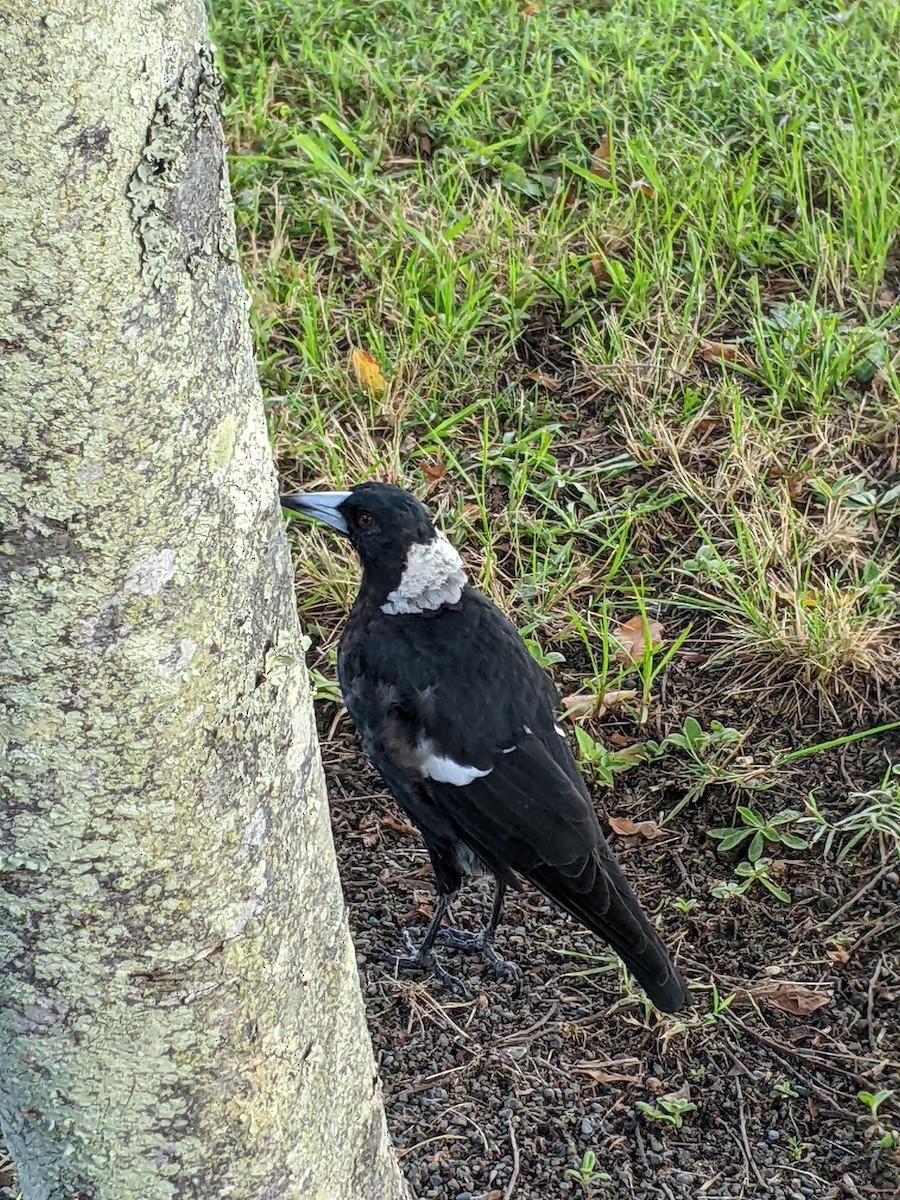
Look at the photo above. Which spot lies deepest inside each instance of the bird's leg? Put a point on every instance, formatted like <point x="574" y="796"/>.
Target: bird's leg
<point x="421" y="958"/>
<point x="480" y="943"/>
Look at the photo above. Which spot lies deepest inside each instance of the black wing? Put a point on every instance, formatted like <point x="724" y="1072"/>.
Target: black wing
<point x="461" y="687"/>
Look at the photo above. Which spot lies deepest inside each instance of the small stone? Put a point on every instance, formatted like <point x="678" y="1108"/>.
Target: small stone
<point x="586" y="1128"/>
<point x="773" y="1135"/>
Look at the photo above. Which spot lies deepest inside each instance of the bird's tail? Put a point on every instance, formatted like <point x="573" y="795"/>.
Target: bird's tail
<point x="601" y="898"/>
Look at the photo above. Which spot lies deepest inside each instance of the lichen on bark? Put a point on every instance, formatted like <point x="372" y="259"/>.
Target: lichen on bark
<point x="179" y="1006"/>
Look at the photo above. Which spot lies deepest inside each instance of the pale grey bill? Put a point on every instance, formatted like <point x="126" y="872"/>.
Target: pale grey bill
<point x="321" y="506"/>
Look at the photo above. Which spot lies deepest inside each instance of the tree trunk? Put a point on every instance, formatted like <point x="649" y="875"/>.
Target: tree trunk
<point x="179" y="1008"/>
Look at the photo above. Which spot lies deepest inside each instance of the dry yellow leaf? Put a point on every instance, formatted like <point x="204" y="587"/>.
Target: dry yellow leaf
<point x="367" y="371"/>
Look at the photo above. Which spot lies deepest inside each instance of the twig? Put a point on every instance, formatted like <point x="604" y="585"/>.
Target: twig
<point x="870" y="1002"/>
<point x="510" y="1187"/>
<point x="742" y="1117"/>
<point x="858" y="895"/>
<point x="682" y="871"/>
<point x="794" y="1052"/>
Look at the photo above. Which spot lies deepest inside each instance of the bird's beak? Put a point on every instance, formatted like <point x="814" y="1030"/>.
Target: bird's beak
<point x="321" y="506"/>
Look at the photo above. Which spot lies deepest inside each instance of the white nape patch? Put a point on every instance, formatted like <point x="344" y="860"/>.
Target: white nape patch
<point x="559" y="729"/>
<point x="442" y="769"/>
<point x="433" y="576"/>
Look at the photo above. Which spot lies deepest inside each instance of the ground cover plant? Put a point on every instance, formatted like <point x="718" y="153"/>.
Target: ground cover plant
<point x="615" y="287"/>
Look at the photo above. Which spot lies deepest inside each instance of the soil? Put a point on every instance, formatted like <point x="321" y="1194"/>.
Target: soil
<point x="500" y="1096"/>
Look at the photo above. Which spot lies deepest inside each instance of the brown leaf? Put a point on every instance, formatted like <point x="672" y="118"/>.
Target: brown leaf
<point x="630" y="637"/>
<point x="607" y="1076"/>
<point x="600" y="157"/>
<point x="642" y="186"/>
<point x="367" y="371"/>
<point x="838" y="954"/>
<point x="582" y="706"/>
<point x="610" y="1072"/>
<point x="434" y="471"/>
<point x="530" y="9"/>
<point x="790" y="997"/>
<point x="599" y="267"/>
<point x="713" y="352"/>
<point x="546" y="381"/>
<point x="402" y="827"/>
<point x="628" y="828"/>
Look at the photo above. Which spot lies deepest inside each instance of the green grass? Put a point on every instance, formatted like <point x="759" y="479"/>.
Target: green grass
<point x="660" y="379"/>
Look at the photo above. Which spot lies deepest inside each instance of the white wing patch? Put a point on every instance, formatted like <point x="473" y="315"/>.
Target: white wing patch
<point x="442" y="769"/>
<point x="445" y="770"/>
<point x="434" y="575"/>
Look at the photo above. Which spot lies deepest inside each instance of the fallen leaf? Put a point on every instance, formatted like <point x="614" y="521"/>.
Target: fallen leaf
<point x="601" y="1076"/>
<point x="434" y="471"/>
<point x="630" y="637"/>
<point x="838" y="954"/>
<point x="713" y="352"/>
<point x="793" y="998"/>
<point x="693" y="656"/>
<point x="600" y="157"/>
<point x="598" y="266"/>
<point x="642" y="186"/>
<point x="682" y="1093"/>
<point x="402" y="827"/>
<point x="547" y="381"/>
<point x="619" y="740"/>
<point x="628" y="828"/>
<point x="530" y="9"/>
<point x="581" y="706"/>
<point x="367" y="371"/>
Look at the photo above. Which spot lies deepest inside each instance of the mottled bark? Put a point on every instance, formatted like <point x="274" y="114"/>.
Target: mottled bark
<point x="179" y="1007"/>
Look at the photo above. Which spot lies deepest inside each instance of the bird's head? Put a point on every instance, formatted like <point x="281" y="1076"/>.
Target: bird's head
<point x="406" y="561"/>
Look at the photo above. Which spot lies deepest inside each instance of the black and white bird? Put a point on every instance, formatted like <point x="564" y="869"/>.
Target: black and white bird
<point x="460" y="722"/>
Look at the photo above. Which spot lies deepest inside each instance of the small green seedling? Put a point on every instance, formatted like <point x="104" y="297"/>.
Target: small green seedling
<point x="798" y="1148"/>
<point x="602" y="764"/>
<point x="784" y="1088"/>
<point x="874" y="1100"/>
<point x="325" y="688"/>
<point x="877" y="813"/>
<point x="586" y="1173"/>
<point x="760" y="831"/>
<point x="670" y="1112"/>
<point x="751" y="873"/>
<point x="684" y="906"/>
<point x="544" y="658"/>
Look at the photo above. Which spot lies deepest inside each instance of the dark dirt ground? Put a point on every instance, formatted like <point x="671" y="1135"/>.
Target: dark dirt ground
<point x="497" y="1096"/>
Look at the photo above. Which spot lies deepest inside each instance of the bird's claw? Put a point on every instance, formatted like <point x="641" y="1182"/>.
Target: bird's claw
<point x="415" y="960"/>
<point x="477" y="943"/>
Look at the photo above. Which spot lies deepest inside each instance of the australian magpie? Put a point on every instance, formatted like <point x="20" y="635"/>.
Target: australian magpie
<point x="460" y="722"/>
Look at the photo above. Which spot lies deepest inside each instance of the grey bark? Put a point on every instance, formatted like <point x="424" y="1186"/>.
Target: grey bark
<point x="179" y="1007"/>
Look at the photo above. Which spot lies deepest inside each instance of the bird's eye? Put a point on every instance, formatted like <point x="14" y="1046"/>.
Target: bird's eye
<point x="365" y="520"/>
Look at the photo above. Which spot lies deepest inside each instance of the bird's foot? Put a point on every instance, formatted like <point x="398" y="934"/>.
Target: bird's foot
<point x="416" y="960"/>
<point x="478" y="943"/>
